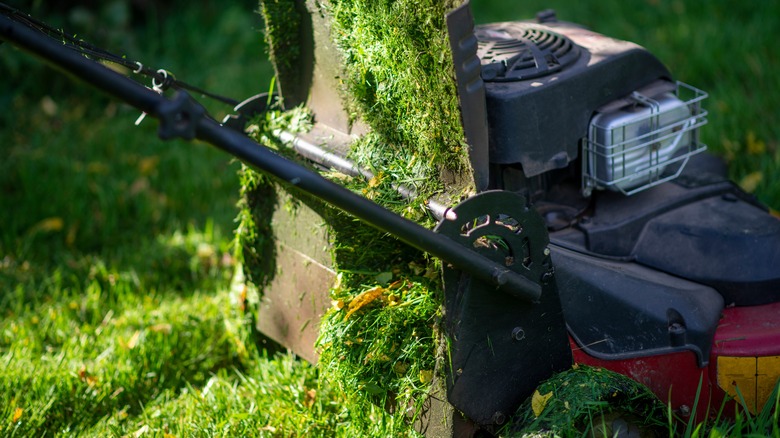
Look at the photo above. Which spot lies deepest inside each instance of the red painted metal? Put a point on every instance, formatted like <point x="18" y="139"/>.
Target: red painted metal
<point x="749" y="331"/>
<point x="742" y="331"/>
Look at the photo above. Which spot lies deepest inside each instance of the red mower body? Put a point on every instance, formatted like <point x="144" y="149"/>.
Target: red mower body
<point x="745" y="355"/>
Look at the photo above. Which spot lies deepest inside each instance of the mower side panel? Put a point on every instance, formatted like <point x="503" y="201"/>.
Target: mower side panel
<point x="619" y="310"/>
<point x="292" y="305"/>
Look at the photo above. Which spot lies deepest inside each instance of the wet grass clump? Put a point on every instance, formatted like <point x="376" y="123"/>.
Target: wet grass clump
<point x="399" y="79"/>
<point x="377" y="342"/>
<point x="590" y="401"/>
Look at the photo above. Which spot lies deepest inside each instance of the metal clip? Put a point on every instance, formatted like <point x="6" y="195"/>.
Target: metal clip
<point x="157" y="86"/>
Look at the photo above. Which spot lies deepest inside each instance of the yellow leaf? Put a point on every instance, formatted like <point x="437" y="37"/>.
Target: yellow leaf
<point x="134" y="340"/>
<point x="98" y="167"/>
<point x="148" y="164"/>
<point x="539" y="401"/>
<point x="70" y="237"/>
<point x="400" y="368"/>
<point x="750" y="181"/>
<point x="141" y="431"/>
<point x="311" y="397"/>
<point x="363" y="299"/>
<point x="18" y="414"/>
<point x="49" y="106"/>
<point x="376" y="180"/>
<point x="47" y="225"/>
<point x="755" y="146"/>
<point x="426" y="376"/>
<point x="139" y="185"/>
<point x="161" y="328"/>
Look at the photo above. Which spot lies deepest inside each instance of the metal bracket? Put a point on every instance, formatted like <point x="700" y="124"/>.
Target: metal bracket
<point x="501" y="346"/>
<point x="179" y="117"/>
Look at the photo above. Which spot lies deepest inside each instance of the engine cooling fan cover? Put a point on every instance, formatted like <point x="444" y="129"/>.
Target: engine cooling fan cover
<point x="519" y="51"/>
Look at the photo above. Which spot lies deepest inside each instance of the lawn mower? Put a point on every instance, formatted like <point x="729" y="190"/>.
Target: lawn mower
<point x="601" y="232"/>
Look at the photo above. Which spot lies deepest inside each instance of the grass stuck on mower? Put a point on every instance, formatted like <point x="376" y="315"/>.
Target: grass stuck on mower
<point x="576" y="217"/>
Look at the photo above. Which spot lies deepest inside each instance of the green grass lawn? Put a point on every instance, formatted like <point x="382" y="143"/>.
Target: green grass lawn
<point x="117" y="312"/>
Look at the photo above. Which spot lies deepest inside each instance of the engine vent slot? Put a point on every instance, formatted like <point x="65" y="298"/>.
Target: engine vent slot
<point x="521" y="51"/>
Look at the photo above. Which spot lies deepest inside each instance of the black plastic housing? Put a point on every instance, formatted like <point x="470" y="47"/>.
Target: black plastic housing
<point x="539" y="122"/>
<point x="620" y="310"/>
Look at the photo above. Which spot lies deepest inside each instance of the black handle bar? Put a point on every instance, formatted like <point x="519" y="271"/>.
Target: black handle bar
<point x="183" y="117"/>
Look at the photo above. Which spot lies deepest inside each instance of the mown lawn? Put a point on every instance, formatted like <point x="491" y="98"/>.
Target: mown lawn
<point x="117" y="311"/>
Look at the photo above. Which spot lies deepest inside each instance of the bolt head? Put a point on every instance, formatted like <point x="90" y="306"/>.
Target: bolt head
<point x="518" y="334"/>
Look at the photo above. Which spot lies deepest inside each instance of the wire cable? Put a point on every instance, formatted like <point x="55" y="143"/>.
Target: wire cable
<point x="161" y="78"/>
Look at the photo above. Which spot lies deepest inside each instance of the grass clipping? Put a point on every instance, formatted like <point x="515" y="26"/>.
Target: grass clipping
<point x="399" y="79"/>
<point x="377" y="342"/>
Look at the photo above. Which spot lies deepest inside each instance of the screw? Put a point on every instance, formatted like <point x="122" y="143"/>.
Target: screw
<point x="547" y="251"/>
<point x="518" y="334"/>
<point x="499" y="418"/>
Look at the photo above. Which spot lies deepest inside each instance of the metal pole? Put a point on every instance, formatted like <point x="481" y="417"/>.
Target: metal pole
<point x="240" y="146"/>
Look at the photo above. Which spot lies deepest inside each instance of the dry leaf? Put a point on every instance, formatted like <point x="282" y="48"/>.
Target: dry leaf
<point x="161" y="328"/>
<point x="134" y="340"/>
<point x="148" y="164"/>
<point x="311" y="396"/>
<point x="139" y="185"/>
<point x="401" y="368"/>
<point x="376" y="180"/>
<point x="754" y="145"/>
<point x="49" y="106"/>
<point x="47" y="225"/>
<point x="539" y="401"/>
<point x="364" y="299"/>
<point x="751" y="181"/>
<point x="141" y="431"/>
<point x="70" y="237"/>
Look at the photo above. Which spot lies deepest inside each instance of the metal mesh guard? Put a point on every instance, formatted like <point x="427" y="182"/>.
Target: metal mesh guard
<point x="645" y="143"/>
